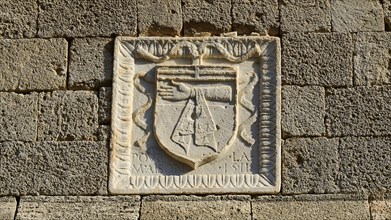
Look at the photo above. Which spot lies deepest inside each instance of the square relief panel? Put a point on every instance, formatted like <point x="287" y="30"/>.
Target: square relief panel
<point x="195" y="116"/>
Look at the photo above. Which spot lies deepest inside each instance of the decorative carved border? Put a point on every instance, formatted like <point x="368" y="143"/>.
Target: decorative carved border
<point x="157" y="50"/>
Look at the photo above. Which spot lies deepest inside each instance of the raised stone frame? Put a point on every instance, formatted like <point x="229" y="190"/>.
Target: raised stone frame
<point x="152" y="51"/>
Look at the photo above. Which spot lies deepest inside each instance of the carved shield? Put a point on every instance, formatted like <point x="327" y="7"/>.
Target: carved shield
<point x="195" y="117"/>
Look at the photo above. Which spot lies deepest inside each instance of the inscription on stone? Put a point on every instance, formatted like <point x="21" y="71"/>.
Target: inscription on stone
<point x="195" y="115"/>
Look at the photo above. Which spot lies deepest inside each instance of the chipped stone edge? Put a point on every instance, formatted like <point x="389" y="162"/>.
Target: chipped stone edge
<point x="268" y="181"/>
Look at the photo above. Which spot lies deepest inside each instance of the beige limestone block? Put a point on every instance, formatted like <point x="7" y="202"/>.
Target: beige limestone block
<point x="317" y="59"/>
<point x="18" y="116"/>
<point x="206" y="16"/>
<point x="74" y="18"/>
<point x="303" y="111"/>
<point x="68" y="116"/>
<point x="310" y="165"/>
<point x="255" y="16"/>
<point x="7" y="208"/>
<point x="372" y="59"/>
<point x="357" y="15"/>
<point x="18" y="19"/>
<point x="159" y="17"/>
<point x="305" y="15"/>
<point x="53" y="168"/>
<point x="192" y="207"/>
<point x="381" y="209"/>
<point x="308" y="207"/>
<point x="33" y="64"/>
<point x="78" y="207"/>
<point x="91" y="63"/>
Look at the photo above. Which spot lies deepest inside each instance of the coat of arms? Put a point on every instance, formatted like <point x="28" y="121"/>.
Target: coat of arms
<point x="195" y="111"/>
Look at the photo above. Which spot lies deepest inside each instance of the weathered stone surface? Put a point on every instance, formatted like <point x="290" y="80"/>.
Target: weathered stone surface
<point x="91" y="63"/>
<point x="381" y="209"/>
<point x="34" y="64"/>
<point x="104" y="133"/>
<point x="159" y="17"/>
<point x="255" y="16"/>
<point x="7" y="208"/>
<point x="387" y="13"/>
<point x="365" y="164"/>
<point x="308" y="207"/>
<point x="104" y="111"/>
<point x="357" y="15"/>
<point x="184" y="129"/>
<point x="18" y="19"/>
<point x="74" y="18"/>
<point x="53" y="168"/>
<point x="359" y="111"/>
<point x="18" y="116"/>
<point x="317" y="59"/>
<point x="68" y="116"/>
<point x="372" y="59"/>
<point x="303" y="111"/>
<point x="206" y="16"/>
<point x="77" y="207"/>
<point x="192" y="207"/>
<point x="310" y="165"/>
<point x="305" y="16"/>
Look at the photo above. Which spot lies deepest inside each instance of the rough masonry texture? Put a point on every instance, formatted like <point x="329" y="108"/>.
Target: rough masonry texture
<point x="192" y="207"/>
<point x="91" y="63"/>
<point x="317" y="59"/>
<point x="18" y="19"/>
<point x="18" y="116"/>
<point x="310" y="165"/>
<point x="344" y="207"/>
<point x="7" y="208"/>
<point x="57" y="124"/>
<point x="53" y="168"/>
<point x="78" y="207"/>
<point x="303" y="111"/>
<point x="73" y="18"/>
<point x="33" y="65"/>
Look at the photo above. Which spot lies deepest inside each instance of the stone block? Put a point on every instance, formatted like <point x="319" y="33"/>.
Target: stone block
<point x="68" y="116"/>
<point x="372" y="59"/>
<point x="53" y="168"/>
<point x="74" y="18"/>
<point x="34" y="64"/>
<point x="305" y="16"/>
<point x="206" y="16"/>
<point x="192" y="207"/>
<point x="303" y="111"/>
<point x="380" y="209"/>
<point x="387" y="13"/>
<point x="308" y="207"/>
<point x="104" y="111"/>
<point x="317" y="59"/>
<point x="310" y="165"/>
<point x="255" y="16"/>
<point x="91" y="63"/>
<point x="357" y="15"/>
<point x="159" y="17"/>
<point x="7" y="208"/>
<point x="365" y="164"/>
<point x="18" y="19"/>
<point x="77" y="207"/>
<point x="359" y="111"/>
<point x="18" y="116"/>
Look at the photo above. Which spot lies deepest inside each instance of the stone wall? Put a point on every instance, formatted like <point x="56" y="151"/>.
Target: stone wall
<point x="56" y="67"/>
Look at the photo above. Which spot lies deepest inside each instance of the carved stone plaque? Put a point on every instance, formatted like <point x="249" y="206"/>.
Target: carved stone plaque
<point x="195" y="115"/>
